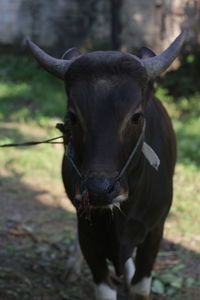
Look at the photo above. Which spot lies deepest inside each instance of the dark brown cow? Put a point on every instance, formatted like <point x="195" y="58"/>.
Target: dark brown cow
<point x="120" y="133"/>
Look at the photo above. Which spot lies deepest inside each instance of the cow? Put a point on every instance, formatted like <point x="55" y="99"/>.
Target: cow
<point x="119" y="160"/>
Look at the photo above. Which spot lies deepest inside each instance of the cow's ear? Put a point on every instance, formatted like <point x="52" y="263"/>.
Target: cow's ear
<point x="71" y="54"/>
<point x="145" y="52"/>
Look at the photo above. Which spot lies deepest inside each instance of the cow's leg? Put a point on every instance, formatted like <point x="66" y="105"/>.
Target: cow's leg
<point x="104" y="292"/>
<point x="129" y="270"/>
<point x="144" y="261"/>
<point x="104" y="288"/>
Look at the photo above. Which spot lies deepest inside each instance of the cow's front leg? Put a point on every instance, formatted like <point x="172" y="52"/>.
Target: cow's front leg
<point x="129" y="270"/>
<point x="144" y="261"/>
<point x="103" y="286"/>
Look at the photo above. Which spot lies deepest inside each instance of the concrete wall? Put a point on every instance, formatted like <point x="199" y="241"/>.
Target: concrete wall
<point x="61" y="24"/>
<point x="155" y="23"/>
<point x="54" y="23"/>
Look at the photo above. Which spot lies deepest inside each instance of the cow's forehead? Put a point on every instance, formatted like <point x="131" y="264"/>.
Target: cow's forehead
<point x="105" y="99"/>
<point x="106" y="63"/>
<point x="110" y="55"/>
<point x="106" y="81"/>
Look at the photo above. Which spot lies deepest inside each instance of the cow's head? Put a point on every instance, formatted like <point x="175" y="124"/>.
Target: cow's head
<point x="107" y="95"/>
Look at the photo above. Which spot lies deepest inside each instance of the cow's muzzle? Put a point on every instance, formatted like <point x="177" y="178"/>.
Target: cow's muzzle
<point x="101" y="190"/>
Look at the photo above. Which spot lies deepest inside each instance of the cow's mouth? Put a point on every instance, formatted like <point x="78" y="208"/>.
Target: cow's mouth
<point x="95" y="203"/>
<point x="100" y="192"/>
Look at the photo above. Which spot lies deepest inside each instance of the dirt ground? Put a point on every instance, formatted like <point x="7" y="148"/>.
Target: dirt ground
<point x="37" y="231"/>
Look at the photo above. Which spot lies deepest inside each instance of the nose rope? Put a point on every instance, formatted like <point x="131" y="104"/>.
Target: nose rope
<point x="139" y="141"/>
<point x="69" y="155"/>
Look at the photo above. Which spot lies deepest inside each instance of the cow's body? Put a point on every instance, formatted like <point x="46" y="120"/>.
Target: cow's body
<point x="120" y="207"/>
<point x="113" y="234"/>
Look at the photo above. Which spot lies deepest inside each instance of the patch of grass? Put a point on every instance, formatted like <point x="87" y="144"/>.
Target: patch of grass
<point x="28" y="93"/>
<point x="186" y="205"/>
<point x="30" y="162"/>
<point x="42" y="161"/>
<point x="31" y="96"/>
<point x="188" y="141"/>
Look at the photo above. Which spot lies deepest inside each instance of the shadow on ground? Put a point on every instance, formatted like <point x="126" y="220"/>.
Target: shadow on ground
<point x="36" y="240"/>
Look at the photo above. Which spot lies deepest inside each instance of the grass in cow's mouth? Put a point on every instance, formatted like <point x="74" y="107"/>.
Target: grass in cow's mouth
<point x="37" y="223"/>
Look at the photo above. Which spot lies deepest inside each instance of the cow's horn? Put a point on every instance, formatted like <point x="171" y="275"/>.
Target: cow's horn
<point x="157" y="64"/>
<point x="57" y="67"/>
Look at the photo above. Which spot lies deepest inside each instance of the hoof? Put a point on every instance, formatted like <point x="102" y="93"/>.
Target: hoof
<point x="104" y="292"/>
<point x="141" y="290"/>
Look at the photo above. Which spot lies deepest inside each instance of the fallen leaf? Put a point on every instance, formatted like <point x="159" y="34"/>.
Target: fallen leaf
<point x="158" y="287"/>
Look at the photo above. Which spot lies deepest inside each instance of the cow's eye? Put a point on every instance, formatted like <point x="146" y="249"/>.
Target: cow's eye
<point x="136" y="118"/>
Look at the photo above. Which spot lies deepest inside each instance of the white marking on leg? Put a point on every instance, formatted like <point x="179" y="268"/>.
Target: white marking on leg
<point x="142" y="288"/>
<point x="105" y="292"/>
<point x="129" y="270"/>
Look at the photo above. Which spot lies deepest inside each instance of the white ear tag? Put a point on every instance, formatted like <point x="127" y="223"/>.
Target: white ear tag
<point x="151" y="156"/>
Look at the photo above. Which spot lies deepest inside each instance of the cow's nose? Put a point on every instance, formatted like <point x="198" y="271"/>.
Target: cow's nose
<point x="101" y="190"/>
